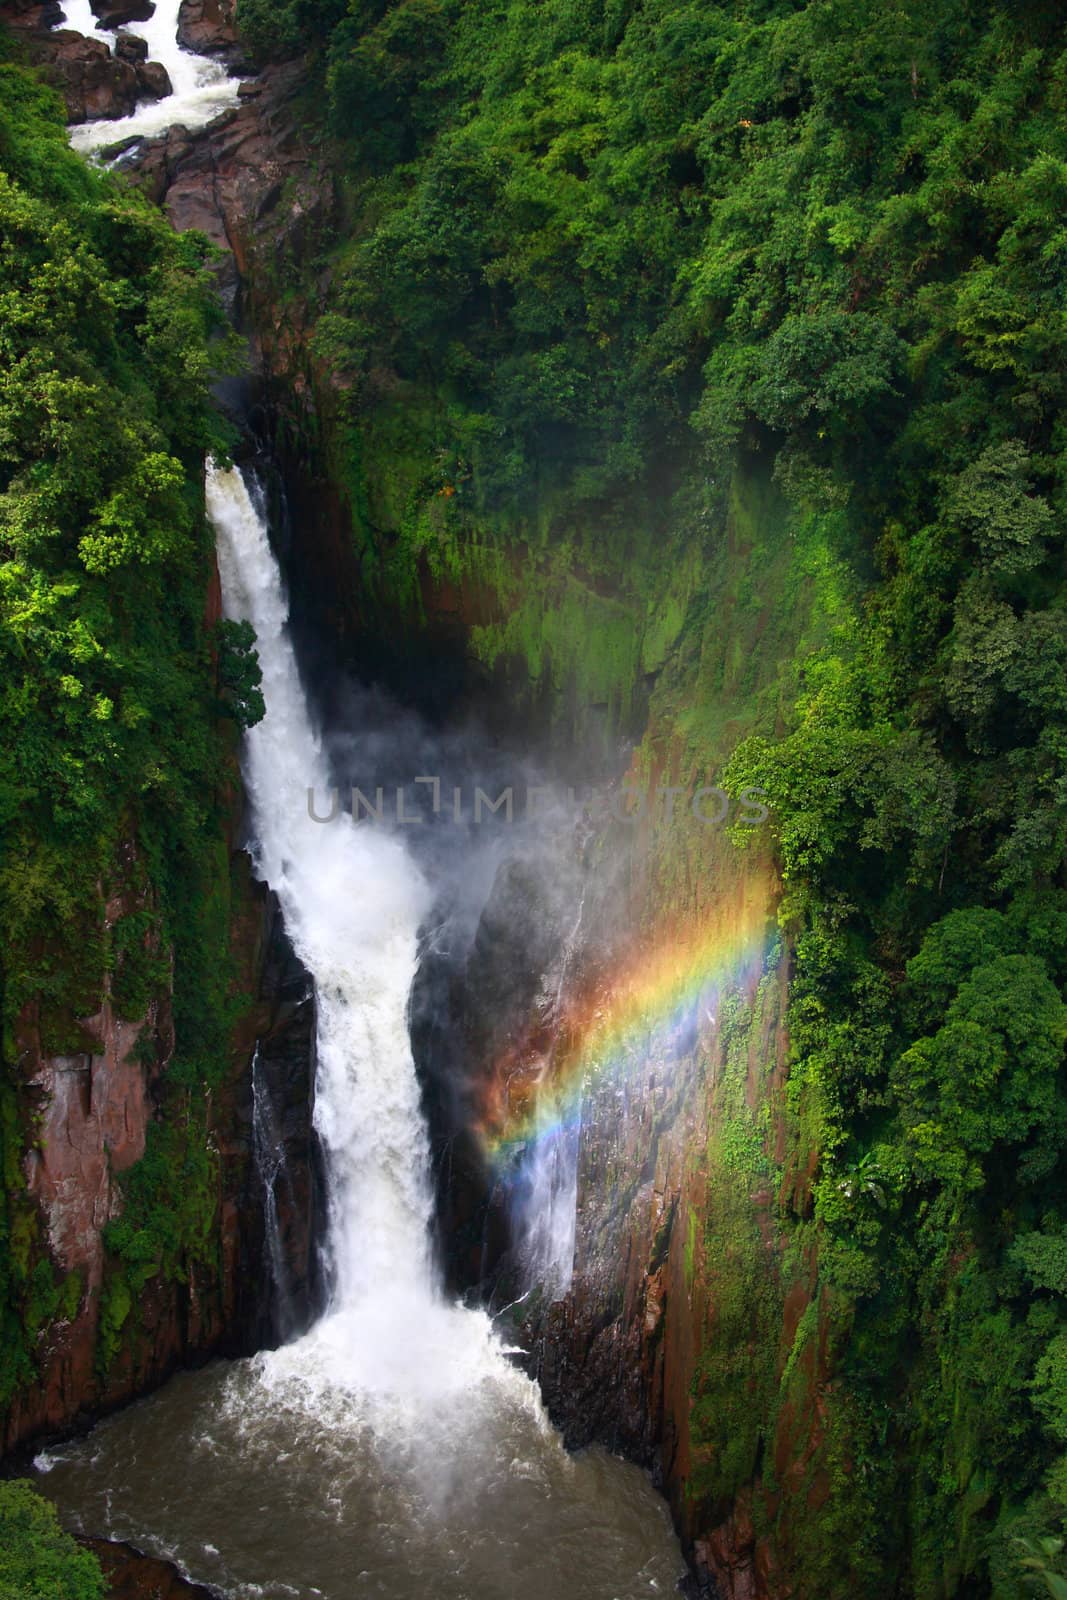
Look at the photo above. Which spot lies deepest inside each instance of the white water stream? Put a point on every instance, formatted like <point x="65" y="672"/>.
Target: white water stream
<point x="352" y="900"/>
<point x="202" y="87"/>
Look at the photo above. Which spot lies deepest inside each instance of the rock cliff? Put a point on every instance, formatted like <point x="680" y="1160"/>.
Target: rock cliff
<point x="95" y="1110"/>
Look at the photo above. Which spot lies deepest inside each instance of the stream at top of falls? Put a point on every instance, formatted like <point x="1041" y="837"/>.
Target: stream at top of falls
<point x="394" y="1449"/>
<point x="202" y="86"/>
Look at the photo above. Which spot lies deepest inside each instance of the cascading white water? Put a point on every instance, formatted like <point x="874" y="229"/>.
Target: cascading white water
<point x="202" y="87"/>
<point x="79" y="15"/>
<point x="352" y="900"/>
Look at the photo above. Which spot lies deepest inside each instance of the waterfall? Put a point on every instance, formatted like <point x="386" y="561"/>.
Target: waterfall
<point x="352" y="900"/>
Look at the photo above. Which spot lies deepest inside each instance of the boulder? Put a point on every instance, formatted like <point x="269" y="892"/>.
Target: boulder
<point x="209" y="28"/>
<point x="92" y="81"/>
<point x="117" y="13"/>
<point x="153" y="80"/>
<point x="31" y="16"/>
<point x="131" y="47"/>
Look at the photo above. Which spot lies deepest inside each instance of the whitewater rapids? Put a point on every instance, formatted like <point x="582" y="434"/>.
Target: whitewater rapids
<point x="202" y="87"/>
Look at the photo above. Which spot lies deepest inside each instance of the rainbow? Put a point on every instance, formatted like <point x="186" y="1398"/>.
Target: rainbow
<point x="650" y="1004"/>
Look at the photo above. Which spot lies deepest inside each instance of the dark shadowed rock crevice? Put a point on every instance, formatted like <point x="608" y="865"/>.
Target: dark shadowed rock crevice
<point x="284" y="1073"/>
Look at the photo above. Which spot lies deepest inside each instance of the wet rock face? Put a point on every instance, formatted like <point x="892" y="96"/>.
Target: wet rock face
<point x="468" y="1006"/>
<point x="284" y="1079"/>
<point x="606" y="1368"/>
<point x="93" y="1114"/>
<point x="621" y="1357"/>
<point x="131" y="1576"/>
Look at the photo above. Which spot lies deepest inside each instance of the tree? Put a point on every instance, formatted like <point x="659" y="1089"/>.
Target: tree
<point x="38" y="1561"/>
<point x="989" y="1075"/>
<point x="240" y="675"/>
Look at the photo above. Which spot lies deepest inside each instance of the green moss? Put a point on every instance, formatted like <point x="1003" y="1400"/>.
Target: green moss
<point x="116" y="1303"/>
<point x="584" y="649"/>
<point x="734" y="1380"/>
<point x="168" y="1225"/>
<point x="690" y="1248"/>
<point x="140" y="968"/>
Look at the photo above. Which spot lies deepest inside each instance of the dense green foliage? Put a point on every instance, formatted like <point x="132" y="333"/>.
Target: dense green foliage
<point x="647" y="312"/>
<point x="110" y="753"/>
<point x="38" y="1561"/>
<point x="610" y="259"/>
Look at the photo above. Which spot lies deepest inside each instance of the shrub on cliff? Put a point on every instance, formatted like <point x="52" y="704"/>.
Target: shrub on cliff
<point x="38" y="1561"/>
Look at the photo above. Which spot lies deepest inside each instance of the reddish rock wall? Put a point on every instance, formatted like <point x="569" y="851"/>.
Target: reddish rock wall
<point x="92" y="1116"/>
